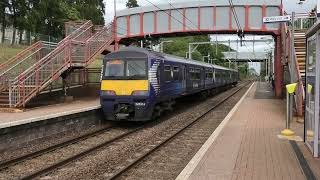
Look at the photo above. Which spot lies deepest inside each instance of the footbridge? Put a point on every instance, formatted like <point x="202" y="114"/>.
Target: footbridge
<point x="202" y="17"/>
<point x="246" y="56"/>
<point x="198" y="17"/>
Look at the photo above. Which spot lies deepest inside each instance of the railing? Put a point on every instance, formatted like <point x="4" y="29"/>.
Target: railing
<point x="304" y="20"/>
<point x="21" y="62"/>
<point x="300" y="22"/>
<point x="31" y="82"/>
<point x="84" y="52"/>
<point x="20" y="56"/>
<point x="78" y="47"/>
<point x="98" y="42"/>
<point x="48" y="69"/>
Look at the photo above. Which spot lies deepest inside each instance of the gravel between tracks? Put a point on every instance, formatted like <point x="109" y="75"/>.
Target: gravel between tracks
<point x="103" y="163"/>
<point x="28" y="166"/>
<point x="45" y="142"/>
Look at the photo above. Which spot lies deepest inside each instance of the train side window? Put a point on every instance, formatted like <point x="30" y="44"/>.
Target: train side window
<point x="167" y="73"/>
<point x="209" y="74"/>
<point x="218" y="74"/>
<point x="197" y="73"/>
<point x="191" y="73"/>
<point x="176" y="72"/>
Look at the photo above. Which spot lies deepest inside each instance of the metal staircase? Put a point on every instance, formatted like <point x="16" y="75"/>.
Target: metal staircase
<point x="31" y="71"/>
<point x="300" y="51"/>
<point x="299" y="44"/>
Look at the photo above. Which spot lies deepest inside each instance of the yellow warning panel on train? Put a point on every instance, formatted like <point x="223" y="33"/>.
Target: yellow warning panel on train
<point x="124" y="87"/>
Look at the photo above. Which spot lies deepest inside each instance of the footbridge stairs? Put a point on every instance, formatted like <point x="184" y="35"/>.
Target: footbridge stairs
<point x="28" y="73"/>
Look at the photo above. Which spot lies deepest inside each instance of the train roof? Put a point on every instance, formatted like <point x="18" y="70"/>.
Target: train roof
<point x="174" y="58"/>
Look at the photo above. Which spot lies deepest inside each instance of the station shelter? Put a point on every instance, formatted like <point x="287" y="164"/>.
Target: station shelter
<point x="312" y="90"/>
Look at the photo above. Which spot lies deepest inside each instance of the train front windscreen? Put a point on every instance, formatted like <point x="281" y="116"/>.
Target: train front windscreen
<point x="125" y="69"/>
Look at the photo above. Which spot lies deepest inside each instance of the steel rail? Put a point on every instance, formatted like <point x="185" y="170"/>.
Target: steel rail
<point x="17" y="160"/>
<point x="144" y="155"/>
<point x="77" y="156"/>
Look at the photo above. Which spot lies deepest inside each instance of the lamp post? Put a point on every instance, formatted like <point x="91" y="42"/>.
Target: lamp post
<point x="116" y="45"/>
<point x="161" y="44"/>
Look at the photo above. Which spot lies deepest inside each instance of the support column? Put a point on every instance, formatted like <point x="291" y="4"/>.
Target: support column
<point x="278" y="69"/>
<point x="116" y="45"/>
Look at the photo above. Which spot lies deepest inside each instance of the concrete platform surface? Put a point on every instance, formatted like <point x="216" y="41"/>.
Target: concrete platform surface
<point x="47" y="112"/>
<point x="248" y="146"/>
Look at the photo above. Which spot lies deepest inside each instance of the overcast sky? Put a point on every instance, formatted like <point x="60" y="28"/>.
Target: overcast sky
<point x="289" y="5"/>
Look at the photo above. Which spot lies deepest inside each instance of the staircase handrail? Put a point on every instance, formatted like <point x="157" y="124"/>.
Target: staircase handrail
<point x="295" y="74"/>
<point x="27" y="74"/>
<point x="49" y="68"/>
<point x="20" y="80"/>
<point x="43" y="43"/>
<point x="21" y="53"/>
<point x="76" y="33"/>
<point x="61" y="43"/>
<point x="107" y="37"/>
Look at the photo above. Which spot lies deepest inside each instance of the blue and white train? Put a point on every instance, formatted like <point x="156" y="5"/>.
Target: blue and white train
<point x="138" y="84"/>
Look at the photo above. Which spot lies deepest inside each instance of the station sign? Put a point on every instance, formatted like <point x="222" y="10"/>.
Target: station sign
<point x="277" y="19"/>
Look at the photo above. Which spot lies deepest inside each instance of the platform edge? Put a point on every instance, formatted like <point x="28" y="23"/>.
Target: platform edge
<point x="50" y="116"/>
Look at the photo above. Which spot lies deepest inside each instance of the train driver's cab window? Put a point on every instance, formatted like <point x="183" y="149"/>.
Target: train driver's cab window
<point x="176" y="73"/>
<point x="114" y="68"/>
<point x="130" y="69"/>
<point x="167" y="73"/>
<point x="136" y="68"/>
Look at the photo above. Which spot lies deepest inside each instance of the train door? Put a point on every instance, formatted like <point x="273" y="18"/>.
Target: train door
<point x="183" y="77"/>
<point x="203" y="77"/>
<point x="160" y="75"/>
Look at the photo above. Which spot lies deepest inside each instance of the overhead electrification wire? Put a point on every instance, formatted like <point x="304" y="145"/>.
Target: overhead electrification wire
<point x="239" y="28"/>
<point x="235" y="15"/>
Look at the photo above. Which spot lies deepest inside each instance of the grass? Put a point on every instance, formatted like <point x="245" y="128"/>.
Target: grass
<point x="7" y="51"/>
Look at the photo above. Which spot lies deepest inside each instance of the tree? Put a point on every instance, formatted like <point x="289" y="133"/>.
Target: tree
<point x="132" y="4"/>
<point x="47" y="17"/>
<point x="3" y="5"/>
<point x="90" y="9"/>
<point x="180" y="45"/>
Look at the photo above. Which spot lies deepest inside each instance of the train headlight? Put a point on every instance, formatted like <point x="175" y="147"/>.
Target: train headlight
<point x="139" y="93"/>
<point x="108" y="93"/>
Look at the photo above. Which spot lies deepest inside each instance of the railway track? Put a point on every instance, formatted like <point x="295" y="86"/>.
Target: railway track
<point x="121" y="136"/>
<point x="16" y="160"/>
<point x="4" y="166"/>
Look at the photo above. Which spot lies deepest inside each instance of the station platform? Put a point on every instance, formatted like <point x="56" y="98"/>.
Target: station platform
<point x="47" y="112"/>
<point x="248" y="145"/>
